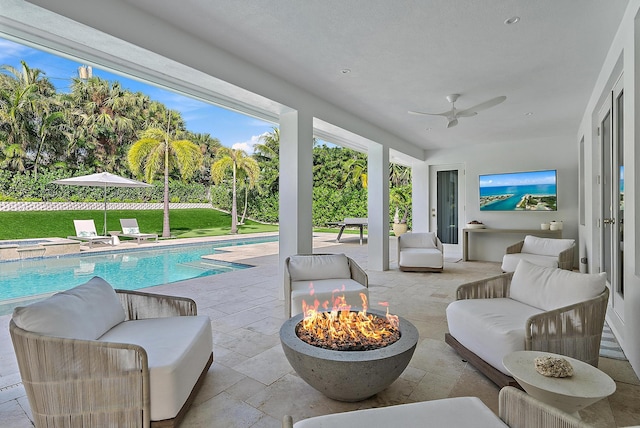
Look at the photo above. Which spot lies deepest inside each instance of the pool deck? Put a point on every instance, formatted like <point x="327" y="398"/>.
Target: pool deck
<point x="251" y="384"/>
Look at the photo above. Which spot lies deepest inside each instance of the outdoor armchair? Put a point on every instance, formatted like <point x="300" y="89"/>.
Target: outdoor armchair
<point x="329" y="275"/>
<point x="535" y="308"/>
<point x="548" y="252"/>
<point x="420" y="252"/>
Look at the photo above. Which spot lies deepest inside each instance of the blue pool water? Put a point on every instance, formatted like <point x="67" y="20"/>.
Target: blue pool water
<point x="125" y="269"/>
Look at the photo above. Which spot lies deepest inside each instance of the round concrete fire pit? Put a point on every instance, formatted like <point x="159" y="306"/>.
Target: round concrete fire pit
<point x="348" y="375"/>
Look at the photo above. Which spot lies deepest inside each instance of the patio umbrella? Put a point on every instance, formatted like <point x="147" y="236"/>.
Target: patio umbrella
<point x="104" y="180"/>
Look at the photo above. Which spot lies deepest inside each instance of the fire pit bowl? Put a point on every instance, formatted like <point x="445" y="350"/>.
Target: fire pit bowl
<point x="348" y="375"/>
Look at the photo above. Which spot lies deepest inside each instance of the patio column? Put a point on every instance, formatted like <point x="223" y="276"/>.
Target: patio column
<point x="420" y="197"/>
<point x="296" y="185"/>
<point x="378" y="207"/>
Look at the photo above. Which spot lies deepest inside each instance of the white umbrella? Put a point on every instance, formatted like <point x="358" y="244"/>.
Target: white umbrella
<point x="102" y="179"/>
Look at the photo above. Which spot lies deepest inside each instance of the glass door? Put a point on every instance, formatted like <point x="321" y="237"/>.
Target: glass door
<point x="611" y="127"/>
<point x="446" y="209"/>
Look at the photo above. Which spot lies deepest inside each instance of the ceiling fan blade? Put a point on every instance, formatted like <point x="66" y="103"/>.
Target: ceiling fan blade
<point x="445" y="114"/>
<point x="452" y="122"/>
<point x="482" y="106"/>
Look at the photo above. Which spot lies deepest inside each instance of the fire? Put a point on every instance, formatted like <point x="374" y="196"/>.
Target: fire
<point x="335" y="323"/>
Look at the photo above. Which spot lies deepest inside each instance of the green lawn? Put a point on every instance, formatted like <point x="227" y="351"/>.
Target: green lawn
<point x="185" y="223"/>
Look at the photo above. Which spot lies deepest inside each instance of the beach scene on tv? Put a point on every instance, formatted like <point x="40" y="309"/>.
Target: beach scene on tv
<point x="519" y="191"/>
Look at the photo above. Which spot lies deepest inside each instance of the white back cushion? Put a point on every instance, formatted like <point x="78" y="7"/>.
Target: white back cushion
<point x="325" y="266"/>
<point x="84" y="312"/>
<point x="545" y="246"/>
<point x="418" y="240"/>
<point x="551" y="288"/>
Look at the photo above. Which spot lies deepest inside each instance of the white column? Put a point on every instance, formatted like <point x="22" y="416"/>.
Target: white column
<point x="378" y="207"/>
<point x="296" y="186"/>
<point x="420" y="215"/>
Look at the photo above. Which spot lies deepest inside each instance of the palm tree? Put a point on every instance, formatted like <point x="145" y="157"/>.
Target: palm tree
<point x="240" y="165"/>
<point x="356" y="168"/>
<point x="157" y="150"/>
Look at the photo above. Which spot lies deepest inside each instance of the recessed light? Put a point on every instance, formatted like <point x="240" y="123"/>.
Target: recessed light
<point x="428" y="129"/>
<point x="512" y="20"/>
<point x="529" y="113"/>
<point x="345" y="71"/>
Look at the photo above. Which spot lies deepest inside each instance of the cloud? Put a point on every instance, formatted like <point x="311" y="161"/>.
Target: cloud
<point x="248" y="146"/>
<point x="10" y="50"/>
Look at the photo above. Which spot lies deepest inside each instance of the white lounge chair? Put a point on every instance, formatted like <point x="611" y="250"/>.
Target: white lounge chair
<point x="86" y="231"/>
<point x="130" y="229"/>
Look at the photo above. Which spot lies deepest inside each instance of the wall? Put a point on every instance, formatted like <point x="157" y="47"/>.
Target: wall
<point x="520" y="155"/>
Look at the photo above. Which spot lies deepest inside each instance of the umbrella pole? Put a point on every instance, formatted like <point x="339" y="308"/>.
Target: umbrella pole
<point x="104" y="233"/>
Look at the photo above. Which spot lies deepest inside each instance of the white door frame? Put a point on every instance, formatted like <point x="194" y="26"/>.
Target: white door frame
<point x="452" y="250"/>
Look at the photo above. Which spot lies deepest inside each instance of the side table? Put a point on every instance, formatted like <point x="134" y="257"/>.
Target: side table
<point x="571" y="394"/>
<point x="115" y="240"/>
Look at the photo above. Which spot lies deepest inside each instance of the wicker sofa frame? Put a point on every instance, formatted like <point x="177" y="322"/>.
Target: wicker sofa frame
<point x="565" y="258"/>
<point x="81" y="383"/>
<point x="574" y="330"/>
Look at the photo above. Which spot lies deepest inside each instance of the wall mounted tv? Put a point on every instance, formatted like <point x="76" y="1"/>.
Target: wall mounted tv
<point x="519" y="191"/>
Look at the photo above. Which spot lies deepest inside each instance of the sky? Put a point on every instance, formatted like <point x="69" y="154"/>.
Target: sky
<point x="518" y="178"/>
<point x="232" y="129"/>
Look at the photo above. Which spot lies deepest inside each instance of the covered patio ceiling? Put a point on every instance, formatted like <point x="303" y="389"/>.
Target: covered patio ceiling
<point x="372" y="58"/>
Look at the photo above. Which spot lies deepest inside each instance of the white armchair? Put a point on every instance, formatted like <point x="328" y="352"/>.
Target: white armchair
<point x="420" y="252"/>
<point x="535" y="308"/>
<point x="329" y="275"/>
<point x="550" y="252"/>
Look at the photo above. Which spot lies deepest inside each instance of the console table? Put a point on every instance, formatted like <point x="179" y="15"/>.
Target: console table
<point x="534" y="232"/>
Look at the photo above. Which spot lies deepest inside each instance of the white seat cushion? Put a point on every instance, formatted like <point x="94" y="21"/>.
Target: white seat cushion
<point x="83" y="312"/>
<point x="320" y="266"/>
<point x="421" y="257"/>
<point x="449" y="412"/>
<point x="324" y="290"/>
<point x="510" y="261"/>
<point x="490" y="328"/>
<point x="548" y="288"/>
<point x="177" y="349"/>
<point x="546" y="246"/>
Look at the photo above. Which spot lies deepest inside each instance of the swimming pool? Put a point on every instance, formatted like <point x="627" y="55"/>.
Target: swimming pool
<point x="125" y="269"/>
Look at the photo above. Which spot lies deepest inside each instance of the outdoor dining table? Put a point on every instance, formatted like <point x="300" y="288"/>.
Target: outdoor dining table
<point x="358" y="222"/>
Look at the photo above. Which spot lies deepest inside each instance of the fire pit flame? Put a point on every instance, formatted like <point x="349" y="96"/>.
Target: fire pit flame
<point x="344" y="329"/>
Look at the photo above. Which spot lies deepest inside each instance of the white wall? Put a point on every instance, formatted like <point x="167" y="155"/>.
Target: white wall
<point x="516" y="156"/>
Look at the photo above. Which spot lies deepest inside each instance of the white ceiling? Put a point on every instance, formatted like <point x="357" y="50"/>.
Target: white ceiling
<point x="409" y="55"/>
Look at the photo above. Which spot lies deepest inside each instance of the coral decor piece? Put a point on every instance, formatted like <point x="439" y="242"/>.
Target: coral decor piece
<point x="553" y="366"/>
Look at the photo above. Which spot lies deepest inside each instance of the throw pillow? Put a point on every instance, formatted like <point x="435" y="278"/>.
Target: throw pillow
<point x="551" y="288"/>
<point x="84" y="312"/>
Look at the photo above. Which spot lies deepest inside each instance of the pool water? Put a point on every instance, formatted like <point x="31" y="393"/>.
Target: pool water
<point x="125" y="269"/>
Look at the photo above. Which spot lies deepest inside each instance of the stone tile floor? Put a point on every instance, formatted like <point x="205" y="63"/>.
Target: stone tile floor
<point x="251" y="384"/>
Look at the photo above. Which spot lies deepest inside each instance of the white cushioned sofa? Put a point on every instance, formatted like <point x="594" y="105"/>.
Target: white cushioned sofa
<point x="420" y="252"/>
<point x="328" y="275"/>
<point x="534" y="308"/>
<point x="550" y="252"/>
<point x="95" y="356"/>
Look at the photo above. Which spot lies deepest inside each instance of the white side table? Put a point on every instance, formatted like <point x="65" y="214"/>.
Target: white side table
<point x="570" y="394"/>
<point x="115" y="237"/>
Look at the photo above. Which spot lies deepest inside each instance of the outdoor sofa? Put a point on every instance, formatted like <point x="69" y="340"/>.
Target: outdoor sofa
<point x="95" y="356"/>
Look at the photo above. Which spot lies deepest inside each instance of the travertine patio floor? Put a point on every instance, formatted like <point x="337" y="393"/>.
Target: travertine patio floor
<point x="251" y="384"/>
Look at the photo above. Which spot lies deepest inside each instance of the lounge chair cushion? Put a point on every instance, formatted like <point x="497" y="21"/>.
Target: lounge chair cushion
<point x="490" y="328"/>
<point x="321" y="266"/>
<point x="325" y="290"/>
<point x="421" y="257"/>
<point x="84" y="312"/>
<point x="545" y="246"/>
<point x="177" y="350"/>
<point x="450" y="412"/>
<point x="549" y="288"/>
<point x="418" y="240"/>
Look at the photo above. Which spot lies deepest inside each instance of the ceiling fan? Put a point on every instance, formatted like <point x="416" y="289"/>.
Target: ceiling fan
<point x="453" y="114"/>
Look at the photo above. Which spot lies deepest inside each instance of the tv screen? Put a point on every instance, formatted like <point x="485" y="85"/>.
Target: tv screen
<point x="519" y="191"/>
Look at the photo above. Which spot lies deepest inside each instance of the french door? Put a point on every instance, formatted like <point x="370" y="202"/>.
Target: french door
<point x="446" y="210"/>
<point x="610" y="131"/>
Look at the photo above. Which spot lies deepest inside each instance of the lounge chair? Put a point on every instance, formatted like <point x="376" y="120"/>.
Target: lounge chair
<point x="86" y="231"/>
<point x="130" y="229"/>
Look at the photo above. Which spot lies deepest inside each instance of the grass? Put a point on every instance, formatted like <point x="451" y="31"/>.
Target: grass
<point x="185" y="223"/>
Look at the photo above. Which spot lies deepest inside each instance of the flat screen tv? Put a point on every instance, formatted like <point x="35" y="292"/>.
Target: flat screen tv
<point x="519" y="191"/>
